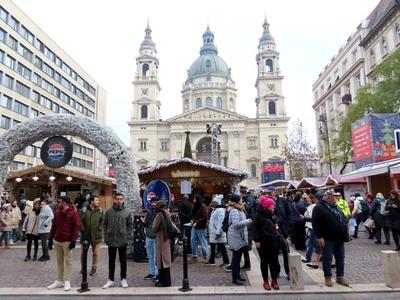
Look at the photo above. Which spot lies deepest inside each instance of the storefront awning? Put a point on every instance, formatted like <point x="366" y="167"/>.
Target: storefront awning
<point x="375" y="169"/>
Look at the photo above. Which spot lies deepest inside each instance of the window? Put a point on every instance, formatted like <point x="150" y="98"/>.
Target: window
<point x="47" y="69"/>
<point x="36" y="97"/>
<point x="145" y="70"/>
<point x="372" y="58"/>
<point x="269" y="65"/>
<point x="143" y="145"/>
<point x="5" y="122"/>
<point x="22" y="89"/>
<point x="33" y="113"/>
<point x="3" y="14"/>
<point x="164" y="146"/>
<point x="3" y="35"/>
<point x="47" y="86"/>
<point x="10" y="62"/>
<point x="336" y="75"/>
<point x="384" y="47"/>
<point x="37" y="79"/>
<point x="358" y="81"/>
<point x="50" y="54"/>
<point x="271" y="108"/>
<point x="252" y="143"/>
<point x="253" y="170"/>
<point x="198" y="103"/>
<point x="17" y="165"/>
<point x="219" y="102"/>
<point x="143" y="112"/>
<point x="25" y="52"/>
<point x="20" y="108"/>
<point x="354" y="56"/>
<point x="38" y="62"/>
<point x="397" y="34"/>
<point x="26" y="34"/>
<point x="344" y="66"/>
<point x="13" y="43"/>
<point x="6" y="101"/>
<point x="208" y="101"/>
<point x="9" y="82"/>
<point x="24" y="71"/>
<point x="273" y="142"/>
<point x="14" y="24"/>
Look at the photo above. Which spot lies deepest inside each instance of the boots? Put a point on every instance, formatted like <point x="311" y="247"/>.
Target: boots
<point x="274" y="284"/>
<point x="342" y="281"/>
<point x="328" y="281"/>
<point x="193" y="260"/>
<point x="266" y="285"/>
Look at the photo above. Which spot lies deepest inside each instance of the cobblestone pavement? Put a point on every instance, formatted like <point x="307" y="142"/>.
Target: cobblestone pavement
<point x="364" y="261"/>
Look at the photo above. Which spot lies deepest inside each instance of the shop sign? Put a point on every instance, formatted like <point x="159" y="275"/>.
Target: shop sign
<point x="56" y="152"/>
<point x="185" y="174"/>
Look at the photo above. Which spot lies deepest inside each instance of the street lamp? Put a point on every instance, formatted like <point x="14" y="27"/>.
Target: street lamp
<point x="324" y="133"/>
<point x="215" y="130"/>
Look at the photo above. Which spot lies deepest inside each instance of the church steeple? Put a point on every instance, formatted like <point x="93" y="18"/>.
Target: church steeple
<point x="266" y="37"/>
<point x="148" y="41"/>
<point x="208" y="43"/>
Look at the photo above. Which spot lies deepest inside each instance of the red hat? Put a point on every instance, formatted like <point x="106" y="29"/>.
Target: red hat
<point x="266" y="202"/>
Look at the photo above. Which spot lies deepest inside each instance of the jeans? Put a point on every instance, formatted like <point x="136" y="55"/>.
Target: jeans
<point x="5" y="237"/>
<point x="199" y="235"/>
<point x="112" y="254"/>
<point x="221" y="247"/>
<point x="235" y="263"/>
<point x="35" y="239"/>
<point x="151" y="255"/>
<point x="44" y="237"/>
<point x="310" y="245"/>
<point x="14" y="234"/>
<point x="333" y="248"/>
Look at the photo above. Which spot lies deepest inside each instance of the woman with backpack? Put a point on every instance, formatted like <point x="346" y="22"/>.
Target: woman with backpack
<point x="393" y="219"/>
<point x="217" y="235"/>
<point x="378" y="214"/>
<point x="199" y="225"/>
<point x="360" y="212"/>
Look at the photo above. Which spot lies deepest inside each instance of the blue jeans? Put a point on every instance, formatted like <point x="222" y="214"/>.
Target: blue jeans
<point x="5" y="237"/>
<point x="336" y="248"/>
<point x="151" y="254"/>
<point x="199" y="235"/>
<point x="310" y="245"/>
<point x="14" y="234"/>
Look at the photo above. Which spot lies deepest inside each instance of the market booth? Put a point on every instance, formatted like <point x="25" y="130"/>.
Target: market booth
<point x="39" y="180"/>
<point x="189" y="176"/>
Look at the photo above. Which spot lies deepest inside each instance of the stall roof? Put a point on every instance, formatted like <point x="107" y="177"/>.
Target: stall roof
<point x="375" y="169"/>
<point x="338" y="179"/>
<point x="279" y="183"/>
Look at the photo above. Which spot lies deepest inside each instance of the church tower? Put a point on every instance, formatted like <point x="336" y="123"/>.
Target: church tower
<point x="146" y="103"/>
<point x="269" y="79"/>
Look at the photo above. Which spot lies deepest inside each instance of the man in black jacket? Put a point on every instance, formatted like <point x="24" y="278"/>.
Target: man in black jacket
<point x="329" y="225"/>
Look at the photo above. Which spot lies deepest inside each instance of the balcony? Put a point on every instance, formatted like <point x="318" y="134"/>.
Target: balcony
<point x="346" y="99"/>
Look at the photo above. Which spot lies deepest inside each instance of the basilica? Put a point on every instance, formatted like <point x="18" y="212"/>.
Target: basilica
<point x="209" y="96"/>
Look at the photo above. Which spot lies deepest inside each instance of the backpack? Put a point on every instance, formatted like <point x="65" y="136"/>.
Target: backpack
<point x="364" y="207"/>
<point x="225" y="222"/>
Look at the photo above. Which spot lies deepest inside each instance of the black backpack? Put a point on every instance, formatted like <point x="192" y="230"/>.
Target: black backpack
<point x="225" y="222"/>
<point x="364" y="207"/>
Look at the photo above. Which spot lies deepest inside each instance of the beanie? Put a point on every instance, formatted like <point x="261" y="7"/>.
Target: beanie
<point x="266" y="202"/>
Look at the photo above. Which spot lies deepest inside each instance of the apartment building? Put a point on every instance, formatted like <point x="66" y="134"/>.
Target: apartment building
<point x="337" y="85"/>
<point x="38" y="78"/>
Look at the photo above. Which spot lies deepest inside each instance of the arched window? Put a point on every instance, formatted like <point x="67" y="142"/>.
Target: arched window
<point x="231" y="104"/>
<point x="269" y="64"/>
<point x="145" y="70"/>
<point x="372" y="58"/>
<point x="219" y="102"/>
<point x="208" y="101"/>
<point x="397" y="34"/>
<point x="253" y="170"/>
<point x="384" y="47"/>
<point x="198" y="103"/>
<point x="271" y="108"/>
<point x="143" y="112"/>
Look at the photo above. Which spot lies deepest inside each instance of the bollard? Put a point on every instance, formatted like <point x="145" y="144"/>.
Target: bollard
<point x="84" y="284"/>
<point x="391" y="265"/>
<point x="185" y="282"/>
<point x="296" y="272"/>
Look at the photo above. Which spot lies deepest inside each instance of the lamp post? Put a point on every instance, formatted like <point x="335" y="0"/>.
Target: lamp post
<point x="325" y="137"/>
<point x="214" y="129"/>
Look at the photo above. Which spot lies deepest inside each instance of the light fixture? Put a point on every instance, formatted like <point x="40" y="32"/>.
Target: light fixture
<point x="18" y="179"/>
<point x="52" y="178"/>
<point x="69" y="178"/>
<point x="35" y="178"/>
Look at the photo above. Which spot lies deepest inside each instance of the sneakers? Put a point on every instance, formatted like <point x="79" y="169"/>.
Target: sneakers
<point x="342" y="281"/>
<point x="228" y="268"/>
<point x="210" y="263"/>
<point x="108" y="284"/>
<point x="245" y="268"/>
<point x="193" y="260"/>
<point x="34" y="258"/>
<point x="44" y="258"/>
<point x="266" y="286"/>
<point x="92" y="271"/>
<point x="28" y="257"/>
<point x="124" y="283"/>
<point x="11" y="242"/>
<point x="56" y="284"/>
<point x="156" y="278"/>
<point x="328" y="281"/>
<point x="67" y="286"/>
<point x="149" y="277"/>
<point x="312" y="266"/>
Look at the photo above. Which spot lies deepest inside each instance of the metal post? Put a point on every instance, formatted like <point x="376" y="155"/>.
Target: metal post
<point x="84" y="283"/>
<point x="185" y="282"/>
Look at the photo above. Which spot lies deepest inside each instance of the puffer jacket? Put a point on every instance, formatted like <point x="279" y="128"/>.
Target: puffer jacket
<point x="65" y="226"/>
<point x="15" y="216"/>
<point x="45" y="219"/>
<point x="264" y="229"/>
<point x="237" y="230"/>
<point x="31" y="224"/>
<point x="117" y="226"/>
<point x="5" y="219"/>
<point x="92" y="224"/>
<point x="216" y="234"/>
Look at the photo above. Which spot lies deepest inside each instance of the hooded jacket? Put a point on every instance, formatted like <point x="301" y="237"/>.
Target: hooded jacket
<point x="92" y="224"/>
<point x="117" y="225"/>
<point x="65" y="226"/>
<point x="264" y="228"/>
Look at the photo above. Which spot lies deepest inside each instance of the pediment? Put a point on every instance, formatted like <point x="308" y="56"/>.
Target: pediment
<point x="207" y="114"/>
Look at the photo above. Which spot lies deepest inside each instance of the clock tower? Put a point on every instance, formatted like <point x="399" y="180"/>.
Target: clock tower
<point x="269" y="79"/>
<point x="146" y="103"/>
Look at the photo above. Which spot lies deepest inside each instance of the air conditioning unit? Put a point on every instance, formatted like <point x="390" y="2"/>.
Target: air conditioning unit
<point x="346" y="99"/>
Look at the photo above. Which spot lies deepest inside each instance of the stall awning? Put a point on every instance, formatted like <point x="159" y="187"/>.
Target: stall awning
<point x="375" y="169"/>
<point x="395" y="169"/>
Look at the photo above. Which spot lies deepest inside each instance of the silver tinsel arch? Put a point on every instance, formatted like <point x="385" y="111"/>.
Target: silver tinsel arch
<point x="103" y="138"/>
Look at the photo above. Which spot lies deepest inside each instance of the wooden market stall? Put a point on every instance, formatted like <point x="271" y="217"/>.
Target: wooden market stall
<point x="204" y="177"/>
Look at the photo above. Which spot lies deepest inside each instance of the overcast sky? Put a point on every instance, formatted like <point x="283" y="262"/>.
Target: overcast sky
<point x="103" y="37"/>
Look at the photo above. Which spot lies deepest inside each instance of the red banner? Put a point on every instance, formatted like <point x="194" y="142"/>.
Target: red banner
<point x="362" y="142"/>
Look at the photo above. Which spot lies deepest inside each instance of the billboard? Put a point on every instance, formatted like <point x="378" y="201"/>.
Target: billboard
<point x="272" y="170"/>
<point x="374" y="138"/>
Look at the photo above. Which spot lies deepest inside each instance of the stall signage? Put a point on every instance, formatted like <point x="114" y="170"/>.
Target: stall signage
<point x="56" y="152"/>
<point x="185" y="174"/>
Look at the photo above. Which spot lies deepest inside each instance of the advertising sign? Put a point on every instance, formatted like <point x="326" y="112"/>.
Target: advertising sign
<point x="272" y="170"/>
<point x="56" y="152"/>
<point x="157" y="188"/>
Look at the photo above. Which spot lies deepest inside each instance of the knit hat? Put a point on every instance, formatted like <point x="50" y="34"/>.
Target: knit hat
<point x="234" y="198"/>
<point x="379" y="196"/>
<point x="266" y="202"/>
<point x="218" y="199"/>
<point x="36" y="201"/>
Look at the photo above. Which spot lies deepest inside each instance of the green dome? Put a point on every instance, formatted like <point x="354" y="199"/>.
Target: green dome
<point x="209" y="63"/>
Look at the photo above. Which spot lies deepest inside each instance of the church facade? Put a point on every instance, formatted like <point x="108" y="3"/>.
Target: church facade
<point x="209" y="95"/>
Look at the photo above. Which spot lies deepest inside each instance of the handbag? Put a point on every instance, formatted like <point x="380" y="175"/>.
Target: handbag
<point x="370" y="223"/>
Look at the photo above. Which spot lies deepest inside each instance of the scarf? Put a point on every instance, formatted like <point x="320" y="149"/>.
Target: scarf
<point x="166" y="223"/>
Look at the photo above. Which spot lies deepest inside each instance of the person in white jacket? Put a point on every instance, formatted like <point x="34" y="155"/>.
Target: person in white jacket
<point x="217" y="236"/>
<point x="45" y="219"/>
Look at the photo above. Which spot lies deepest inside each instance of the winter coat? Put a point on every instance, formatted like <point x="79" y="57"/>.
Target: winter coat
<point x="15" y="216"/>
<point x="117" y="226"/>
<point x="215" y="225"/>
<point x="378" y="212"/>
<point x="92" y="224"/>
<point x="45" y="219"/>
<point x="264" y="229"/>
<point x="31" y="224"/>
<point x="5" y="219"/>
<point x="298" y="209"/>
<point x="327" y="224"/>
<point x="200" y="217"/>
<point x="163" y="244"/>
<point x="185" y="211"/>
<point x="65" y="227"/>
<point x="308" y="215"/>
<point x="148" y="223"/>
<point x="237" y="230"/>
<point x="393" y="218"/>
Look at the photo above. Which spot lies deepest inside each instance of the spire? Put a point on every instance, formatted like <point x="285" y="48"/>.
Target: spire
<point x="266" y="37"/>
<point x="188" y="149"/>
<point x="208" y="42"/>
<point x="148" y="41"/>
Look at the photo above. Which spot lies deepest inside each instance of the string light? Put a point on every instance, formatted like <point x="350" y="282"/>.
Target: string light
<point x="18" y="179"/>
<point x="52" y="178"/>
<point x="35" y="178"/>
<point x="69" y="178"/>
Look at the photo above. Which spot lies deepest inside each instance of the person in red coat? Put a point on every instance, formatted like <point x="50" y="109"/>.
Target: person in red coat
<point x="64" y="231"/>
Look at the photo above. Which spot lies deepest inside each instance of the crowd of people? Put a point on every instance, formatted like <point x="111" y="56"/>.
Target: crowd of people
<point x="267" y="221"/>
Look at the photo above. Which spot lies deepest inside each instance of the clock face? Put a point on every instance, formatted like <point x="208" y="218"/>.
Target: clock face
<point x="145" y="91"/>
<point x="270" y="87"/>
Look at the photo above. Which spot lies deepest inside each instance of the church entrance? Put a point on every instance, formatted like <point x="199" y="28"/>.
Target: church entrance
<point x="203" y="150"/>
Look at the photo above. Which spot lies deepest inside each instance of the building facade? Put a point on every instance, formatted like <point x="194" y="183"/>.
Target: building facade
<point x="209" y="95"/>
<point x="337" y="85"/>
<point x="38" y="78"/>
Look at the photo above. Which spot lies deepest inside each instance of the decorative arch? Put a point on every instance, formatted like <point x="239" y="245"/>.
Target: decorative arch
<point x="209" y="101"/>
<point x="270" y="65"/>
<point x="272" y="107"/>
<point x="146" y="70"/>
<point x="103" y="138"/>
<point x="219" y="102"/>
<point x="198" y="102"/>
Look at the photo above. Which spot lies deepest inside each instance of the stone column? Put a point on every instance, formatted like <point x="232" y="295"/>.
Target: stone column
<point x="296" y="272"/>
<point x="391" y="267"/>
